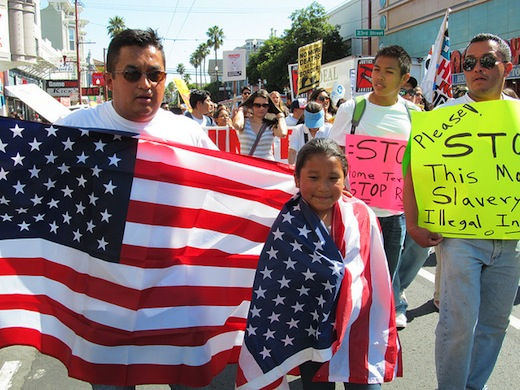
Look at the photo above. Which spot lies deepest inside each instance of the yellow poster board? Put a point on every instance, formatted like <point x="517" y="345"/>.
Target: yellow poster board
<point x="184" y="91"/>
<point x="465" y="163"/>
<point x="309" y="66"/>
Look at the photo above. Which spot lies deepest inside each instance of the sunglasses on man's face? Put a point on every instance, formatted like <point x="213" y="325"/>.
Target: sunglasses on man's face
<point x="134" y="75"/>
<point x="487" y="61"/>
<point x="263" y="105"/>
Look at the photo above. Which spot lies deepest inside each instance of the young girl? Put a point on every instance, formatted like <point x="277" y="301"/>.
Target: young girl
<point x="322" y="297"/>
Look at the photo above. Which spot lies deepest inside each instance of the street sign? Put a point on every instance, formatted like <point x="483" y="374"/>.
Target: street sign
<point x="370" y="33"/>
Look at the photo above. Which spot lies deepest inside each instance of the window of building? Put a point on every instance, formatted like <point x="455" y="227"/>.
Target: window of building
<point x="72" y="38"/>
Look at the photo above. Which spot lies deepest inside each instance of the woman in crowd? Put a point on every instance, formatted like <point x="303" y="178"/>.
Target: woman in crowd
<point x="278" y="102"/>
<point x="257" y="133"/>
<point x="314" y="126"/>
<point x="321" y="96"/>
<point x="222" y="117"/>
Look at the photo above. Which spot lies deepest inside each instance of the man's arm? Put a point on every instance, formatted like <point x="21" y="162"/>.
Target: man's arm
<point x="422" y="236"/>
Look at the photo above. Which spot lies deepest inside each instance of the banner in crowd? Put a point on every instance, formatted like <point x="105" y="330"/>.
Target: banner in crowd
<point x="375" y="170"/>
<point x="184" y="91"/>
<point x="130" y="260"/>
<point x="436" y="84"/>
<point x="465" y="169"/>
<point x="309" y="66"/>
<point x="293" y="79"/>
<point x="226" y="139"/>
<point x="234" y="65"/>
<point x="364" y="75"/>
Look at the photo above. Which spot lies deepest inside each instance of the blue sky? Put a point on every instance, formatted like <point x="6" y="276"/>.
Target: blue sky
<point x="184" y="22"/>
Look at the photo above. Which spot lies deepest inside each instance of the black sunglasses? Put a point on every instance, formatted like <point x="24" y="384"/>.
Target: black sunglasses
<point x="258" y="105"/>
<point x="322" y="98"/>
<point x="487" y="61"/>
<point x="134" y="75"/>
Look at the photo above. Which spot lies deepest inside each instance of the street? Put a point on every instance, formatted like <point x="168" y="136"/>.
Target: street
<point x="23" y="368"/>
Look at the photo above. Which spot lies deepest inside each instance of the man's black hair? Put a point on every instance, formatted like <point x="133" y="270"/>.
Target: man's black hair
<point x="503" y="47"/>
<point x="198" y="95"/>
<point x="131" y="37"/>
<point x="397" y="52"/>
<point x="244" y="88"/>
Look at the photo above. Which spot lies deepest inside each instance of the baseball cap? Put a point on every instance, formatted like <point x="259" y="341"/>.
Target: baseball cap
<point x="314" y="120"/>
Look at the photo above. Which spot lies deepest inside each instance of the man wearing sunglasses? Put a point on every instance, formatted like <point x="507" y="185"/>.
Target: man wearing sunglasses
<point x="479" y="278"/>
<point x="135" y="75"/>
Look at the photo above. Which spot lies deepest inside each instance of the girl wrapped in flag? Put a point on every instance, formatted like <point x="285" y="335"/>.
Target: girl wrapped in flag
<point x="322" y="297"/>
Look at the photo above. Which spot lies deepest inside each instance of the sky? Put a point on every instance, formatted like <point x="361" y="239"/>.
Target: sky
<point x="183" y="23"/>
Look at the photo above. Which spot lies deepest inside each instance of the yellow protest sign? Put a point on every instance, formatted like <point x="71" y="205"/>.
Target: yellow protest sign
<point x="465" y="163"/>
<point x="184" y="91"/>
<point x="309" y="66"/>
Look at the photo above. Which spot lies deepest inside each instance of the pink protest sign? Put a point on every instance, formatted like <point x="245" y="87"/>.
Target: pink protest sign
<point x="375" y="170"/>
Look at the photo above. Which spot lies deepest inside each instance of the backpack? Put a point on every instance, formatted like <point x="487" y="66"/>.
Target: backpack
<point x="360" y="103"/>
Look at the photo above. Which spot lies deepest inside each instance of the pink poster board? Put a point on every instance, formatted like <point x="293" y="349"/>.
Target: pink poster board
<point x="375" y="170"/>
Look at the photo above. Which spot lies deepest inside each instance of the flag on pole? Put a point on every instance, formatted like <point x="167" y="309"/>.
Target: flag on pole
<point x="130" y="260"/>
<point x="436" y="84"/>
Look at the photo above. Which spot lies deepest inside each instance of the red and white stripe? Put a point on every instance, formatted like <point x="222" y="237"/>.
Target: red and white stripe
<point x="367" y="350"/>
<point x="174" y="309"/>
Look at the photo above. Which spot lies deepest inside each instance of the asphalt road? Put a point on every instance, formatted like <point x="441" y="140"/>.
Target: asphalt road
<point x="24" y="368"/>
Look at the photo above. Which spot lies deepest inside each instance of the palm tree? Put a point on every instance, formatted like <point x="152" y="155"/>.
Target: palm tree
<point x="216" y="39"/>
<point x="195" y="62"/>
<point x="116" y="24"/>
<point x="181" y="70"/>
<point x="204" y="51"/>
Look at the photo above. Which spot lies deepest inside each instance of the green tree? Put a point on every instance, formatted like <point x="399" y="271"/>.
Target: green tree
<point x="169" y="92"/>
<point x="204" y="51"/>
<point x="195" y="62"/>
<point x="308" y="25"/>
<point x="215" y="40"/>
<point x="181" y="70"/>
<point x="116" y="24"/>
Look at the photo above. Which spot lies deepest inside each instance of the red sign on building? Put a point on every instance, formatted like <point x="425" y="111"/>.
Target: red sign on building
<point x="98" y="80"/>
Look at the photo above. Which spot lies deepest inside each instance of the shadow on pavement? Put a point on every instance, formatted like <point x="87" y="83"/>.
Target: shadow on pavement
<point x="425" y="309"/>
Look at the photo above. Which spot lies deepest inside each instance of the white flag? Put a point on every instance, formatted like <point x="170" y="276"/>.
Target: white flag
<point x="436" y="84"/>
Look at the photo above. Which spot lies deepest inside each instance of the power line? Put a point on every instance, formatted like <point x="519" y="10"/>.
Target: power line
<point x="183" y="23"/>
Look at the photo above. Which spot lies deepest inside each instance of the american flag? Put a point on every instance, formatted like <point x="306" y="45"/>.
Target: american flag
<point x="321" y="298"/>
<point x="130" y="260"/>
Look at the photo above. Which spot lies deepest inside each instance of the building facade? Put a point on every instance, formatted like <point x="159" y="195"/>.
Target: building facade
<point x="32" y="47"/>
<point x="414" y="24"/>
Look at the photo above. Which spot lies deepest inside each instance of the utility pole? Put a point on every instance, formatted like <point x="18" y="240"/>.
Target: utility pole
<point x="78" y="63"/>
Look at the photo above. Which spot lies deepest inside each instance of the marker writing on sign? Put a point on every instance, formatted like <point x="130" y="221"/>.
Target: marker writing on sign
<point x="427" y="138"/>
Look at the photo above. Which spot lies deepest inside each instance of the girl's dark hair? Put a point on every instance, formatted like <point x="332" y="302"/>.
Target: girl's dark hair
<point x="324" y="146"/>
<point x="219" y="110"/>
<point x="316" y="93"/>
<point x="273" y="109"/>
